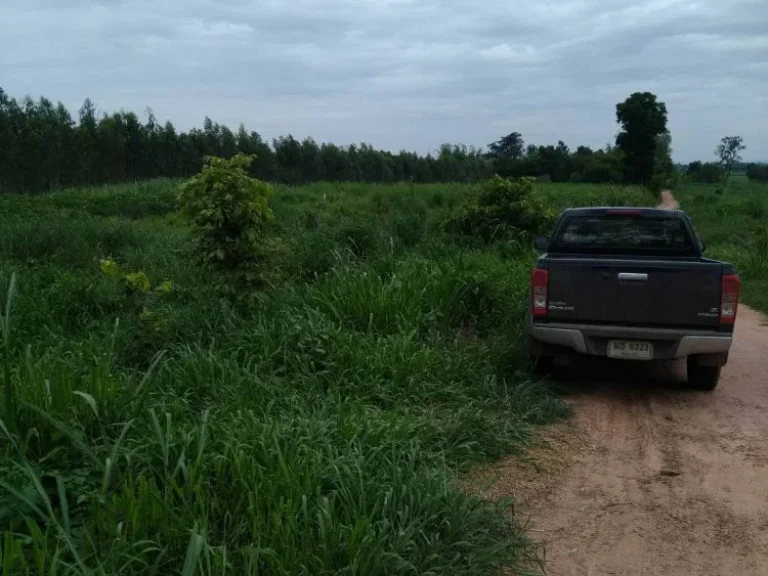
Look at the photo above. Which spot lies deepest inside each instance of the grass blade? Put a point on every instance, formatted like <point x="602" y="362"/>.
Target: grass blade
<point x="194" y="549"/>
<point x="90" y="400"/>
<point x="64" y="505"/>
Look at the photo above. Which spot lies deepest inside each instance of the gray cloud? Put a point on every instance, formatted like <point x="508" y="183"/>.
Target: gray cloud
<point x="404" y="73"/>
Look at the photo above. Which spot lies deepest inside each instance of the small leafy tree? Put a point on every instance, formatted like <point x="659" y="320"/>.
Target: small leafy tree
<point x="728" y="154"/>
<point x="231" y="209"/>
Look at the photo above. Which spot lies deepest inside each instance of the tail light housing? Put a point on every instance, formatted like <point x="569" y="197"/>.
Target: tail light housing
<point x="729" y="301"/>
<point x="539" y="287"/>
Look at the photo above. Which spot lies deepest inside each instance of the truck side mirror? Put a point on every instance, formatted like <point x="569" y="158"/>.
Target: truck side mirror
<point x="702" y="246"/>
<point x="541" y="243"/>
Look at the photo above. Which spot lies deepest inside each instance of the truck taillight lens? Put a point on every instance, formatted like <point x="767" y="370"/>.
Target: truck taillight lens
<point x="730" y="299"/>
<point x="539" y="284"/>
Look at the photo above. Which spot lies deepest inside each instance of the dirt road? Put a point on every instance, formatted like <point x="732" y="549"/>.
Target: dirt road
<point x="650" y="478"/>
<point x="668" y="201"/>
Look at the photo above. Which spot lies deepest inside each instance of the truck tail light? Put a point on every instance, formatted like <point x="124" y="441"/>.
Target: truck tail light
<point x="730" y="298"/>
<point x="539" y="285"/>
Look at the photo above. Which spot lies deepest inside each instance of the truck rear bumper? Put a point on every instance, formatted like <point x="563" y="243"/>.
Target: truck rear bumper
<point x="668" y="343"/>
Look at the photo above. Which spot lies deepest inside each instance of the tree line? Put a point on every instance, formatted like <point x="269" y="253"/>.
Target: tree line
<point x="757" y="172"/>
<point x="42" y="147"/>
<point x="714" y="172"/>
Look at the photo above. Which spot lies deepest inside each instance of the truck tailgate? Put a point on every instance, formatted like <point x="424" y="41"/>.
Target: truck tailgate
<point x="635" y="292"/>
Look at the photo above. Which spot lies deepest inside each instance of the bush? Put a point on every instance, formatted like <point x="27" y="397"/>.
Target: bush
<point x="231" y="209"/>
<point x="704" y="173"/>
<point x="503" y="207"/>
<point x="758" y="172"/>
<point x="601" y="171"/>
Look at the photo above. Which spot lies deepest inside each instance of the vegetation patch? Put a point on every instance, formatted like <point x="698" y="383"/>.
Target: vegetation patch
<point x="151" y="426"/>
<point x="732" y="223"/>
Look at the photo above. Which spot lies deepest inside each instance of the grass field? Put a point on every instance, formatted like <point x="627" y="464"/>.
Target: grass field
<point x="319" y="433"/>
<point x="734" y="225"/>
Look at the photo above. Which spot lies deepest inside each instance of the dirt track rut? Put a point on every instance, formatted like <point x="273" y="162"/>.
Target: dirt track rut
<point x="648" y="477"/>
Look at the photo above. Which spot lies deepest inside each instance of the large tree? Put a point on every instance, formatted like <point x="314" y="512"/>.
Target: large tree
<point x="510" y="146"/>
<point x="728" y="154"/>
<point x="662" y="162"/>
<point x="643" y="118"/>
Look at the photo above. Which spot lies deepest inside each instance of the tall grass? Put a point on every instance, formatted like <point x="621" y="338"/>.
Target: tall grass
<point x="320" y="433"/>
<point x="5" y="332"/>
<point x="733" y="225"/>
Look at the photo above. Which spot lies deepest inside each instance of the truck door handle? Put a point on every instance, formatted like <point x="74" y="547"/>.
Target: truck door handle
<point x="633" y="276"/>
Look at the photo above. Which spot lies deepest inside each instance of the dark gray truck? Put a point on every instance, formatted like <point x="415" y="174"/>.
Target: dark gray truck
<point x="631" y="283"/>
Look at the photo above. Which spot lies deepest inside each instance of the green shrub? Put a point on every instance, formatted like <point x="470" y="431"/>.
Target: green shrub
<point x="231" y="209"/>
<point x="502" y="207"/>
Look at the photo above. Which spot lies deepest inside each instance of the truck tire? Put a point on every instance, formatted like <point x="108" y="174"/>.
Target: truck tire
<point x="541" y="364"/>
<point x="702" y="377"/>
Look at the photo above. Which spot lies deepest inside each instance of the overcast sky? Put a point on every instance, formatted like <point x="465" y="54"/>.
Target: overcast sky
<point x="403" y="74"/>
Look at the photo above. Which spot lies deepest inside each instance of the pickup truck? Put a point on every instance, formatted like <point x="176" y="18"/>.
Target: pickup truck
<point x="631" y="283"/>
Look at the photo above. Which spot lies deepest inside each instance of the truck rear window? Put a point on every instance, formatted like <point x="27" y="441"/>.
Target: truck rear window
<point x="617" y="235"/>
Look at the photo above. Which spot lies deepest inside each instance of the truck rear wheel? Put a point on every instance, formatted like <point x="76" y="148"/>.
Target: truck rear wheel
<point x="702" y="377"/>
<point x="542" y="365"/>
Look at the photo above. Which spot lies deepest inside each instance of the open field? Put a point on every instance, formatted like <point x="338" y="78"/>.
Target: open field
<point x="321" y="432"/>
<point x="318" y="433"/>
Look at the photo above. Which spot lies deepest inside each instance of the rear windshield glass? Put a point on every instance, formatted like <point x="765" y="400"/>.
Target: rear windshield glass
<point x="611" y="234"/>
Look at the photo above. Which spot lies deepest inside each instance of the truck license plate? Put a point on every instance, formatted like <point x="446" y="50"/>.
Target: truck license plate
<point x="630" y="349"/>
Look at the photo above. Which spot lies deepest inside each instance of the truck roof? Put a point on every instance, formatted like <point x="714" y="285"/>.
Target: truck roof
<point x="624" y="210"/>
